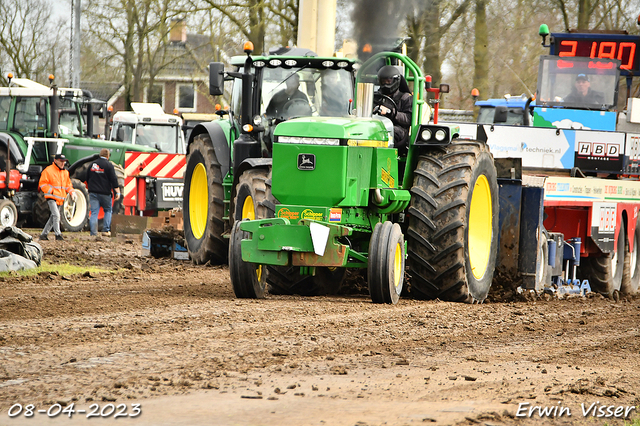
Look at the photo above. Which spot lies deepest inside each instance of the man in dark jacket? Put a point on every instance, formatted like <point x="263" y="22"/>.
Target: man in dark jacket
<point x="101" y="179"/>
<point x="583" y="94"/>
<point x="389" y="79"/>
<point x="286" y="98"/>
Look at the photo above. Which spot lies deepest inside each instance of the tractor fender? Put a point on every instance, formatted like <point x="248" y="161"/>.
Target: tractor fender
<point x="16" y="155"/>
<point x="251" y="163"/>
<point x="220" y="140"/>
<point x="248" y="164"/>
<point x="77" y="171"/>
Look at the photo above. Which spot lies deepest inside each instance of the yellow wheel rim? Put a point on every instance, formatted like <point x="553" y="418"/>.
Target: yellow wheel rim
<point x="198" y="201"/>
<point x="397" y="266"/>
<point x="248" y="212"/>
<point x="480" y="227"/>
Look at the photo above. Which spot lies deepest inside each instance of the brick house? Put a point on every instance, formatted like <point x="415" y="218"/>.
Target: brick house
<point x="182" y="85"/>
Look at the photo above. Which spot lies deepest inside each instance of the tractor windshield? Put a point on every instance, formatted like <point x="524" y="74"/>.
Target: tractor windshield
<point x="164" y="138"/>
<point x="5" y="103"/>
<point x="582" y="83"/>
<point x="299" y="92"/>
<point x="70" y="121"/>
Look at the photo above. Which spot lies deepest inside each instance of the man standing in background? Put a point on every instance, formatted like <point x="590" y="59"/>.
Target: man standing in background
<point x="101" y="180"/>
<point x="55" y="184"/>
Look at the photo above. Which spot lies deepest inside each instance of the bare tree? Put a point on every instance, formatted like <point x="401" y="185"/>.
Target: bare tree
<point x="133" y="40"/>
<point x="426" y="27"/>
<point x="30" y="40"/>
<point x="597" y="14"/>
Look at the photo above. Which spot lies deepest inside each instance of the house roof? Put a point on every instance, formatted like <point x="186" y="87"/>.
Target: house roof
<point x="100" y="90"/>
<point x="187" y="59"/>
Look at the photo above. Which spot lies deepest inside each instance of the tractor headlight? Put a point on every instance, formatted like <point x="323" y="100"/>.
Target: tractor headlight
<point x="440" y="135"/>
<point x="309" y="141"/>
<point x="257" y="120"/>
<point x="426" y="134"/>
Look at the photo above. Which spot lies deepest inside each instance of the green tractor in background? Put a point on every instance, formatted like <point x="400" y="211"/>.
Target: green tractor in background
<point x="37" y="122"/>
<point x="345" y="199"/>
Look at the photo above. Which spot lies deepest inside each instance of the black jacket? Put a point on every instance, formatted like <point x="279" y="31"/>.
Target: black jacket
<point x="402" y="119"/>
<point x="101" y="177"/>
<point x="275" y="109"/>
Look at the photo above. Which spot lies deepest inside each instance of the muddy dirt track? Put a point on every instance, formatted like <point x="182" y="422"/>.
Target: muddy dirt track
<point x="171" y="337"/>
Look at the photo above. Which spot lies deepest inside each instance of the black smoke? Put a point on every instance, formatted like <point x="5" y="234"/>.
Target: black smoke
<point x="378" y="23"/>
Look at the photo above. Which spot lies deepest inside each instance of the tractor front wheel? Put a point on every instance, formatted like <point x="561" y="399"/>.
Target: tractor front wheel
<point x="248" y="280"/>
<point x="253" y="201"/>
<point x="453" y="223"/>
<point x="386" y="263"/>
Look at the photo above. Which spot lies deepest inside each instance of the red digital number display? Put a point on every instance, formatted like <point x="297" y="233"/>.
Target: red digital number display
<point x="622" y="48"/>
<point x="625" y="52"/>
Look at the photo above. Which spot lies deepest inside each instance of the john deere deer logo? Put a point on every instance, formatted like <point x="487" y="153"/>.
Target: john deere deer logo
<point x="306" y="162"/>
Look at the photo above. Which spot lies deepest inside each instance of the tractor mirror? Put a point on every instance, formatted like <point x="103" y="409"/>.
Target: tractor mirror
<point x="444" y="88"/>
<point x="216" y="78"/>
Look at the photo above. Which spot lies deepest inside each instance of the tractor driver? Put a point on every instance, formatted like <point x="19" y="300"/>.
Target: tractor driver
<point x="582" y="92"/>
<point x="389" y="79"/>
<point x="276" y="107"/>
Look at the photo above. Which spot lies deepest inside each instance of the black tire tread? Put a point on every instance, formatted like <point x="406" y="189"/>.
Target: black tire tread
<point x="436" y="252"/>
<point x="598" y="270"/>
<point x="213" y="247"/>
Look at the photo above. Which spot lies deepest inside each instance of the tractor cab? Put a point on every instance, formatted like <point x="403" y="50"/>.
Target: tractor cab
<point x="577" y="93"/>
<point x="510" y="110"/>
<point x="149" y="126"/>
<point x="287" y="83"/>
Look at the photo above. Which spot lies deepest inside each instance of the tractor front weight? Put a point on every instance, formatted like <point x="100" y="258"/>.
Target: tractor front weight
<point x="309" y="243"/>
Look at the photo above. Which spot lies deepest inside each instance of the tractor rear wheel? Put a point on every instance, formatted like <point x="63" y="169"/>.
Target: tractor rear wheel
<point x="40" y="214"/>
<point x="453" y="223"/>
<point x="386" y="263"/>
<point x="204" y="204"/>
<point x="631" y="274"/>
<point x="605" y="272"/>
<point x="75" y="215"/>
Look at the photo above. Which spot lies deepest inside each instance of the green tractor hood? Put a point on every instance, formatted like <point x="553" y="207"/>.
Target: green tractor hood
<point x="331" y="162"/>
<point x="342" y="128"/>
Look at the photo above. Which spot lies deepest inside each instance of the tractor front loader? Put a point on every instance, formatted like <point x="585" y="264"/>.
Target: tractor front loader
<point x="346" y="199"/>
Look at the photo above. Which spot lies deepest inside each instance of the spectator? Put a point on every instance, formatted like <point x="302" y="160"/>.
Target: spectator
<point x="101" y="179"/>
<point x="55" y="183"/>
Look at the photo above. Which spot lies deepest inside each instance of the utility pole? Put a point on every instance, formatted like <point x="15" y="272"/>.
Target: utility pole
<point x="74" y="51"/>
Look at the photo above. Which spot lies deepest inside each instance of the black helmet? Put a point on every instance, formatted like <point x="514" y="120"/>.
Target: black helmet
<point x="388" y="79"/>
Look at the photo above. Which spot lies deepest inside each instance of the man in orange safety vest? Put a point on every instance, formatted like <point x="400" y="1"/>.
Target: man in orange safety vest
<point x="55" y="183"/>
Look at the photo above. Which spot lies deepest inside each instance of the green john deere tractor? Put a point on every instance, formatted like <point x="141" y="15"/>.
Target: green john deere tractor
<point x="228" y="171"/>
<point x="346" y="199"/>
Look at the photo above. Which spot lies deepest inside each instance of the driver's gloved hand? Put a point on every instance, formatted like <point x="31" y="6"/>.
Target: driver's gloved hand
<point x="384" y="110"/>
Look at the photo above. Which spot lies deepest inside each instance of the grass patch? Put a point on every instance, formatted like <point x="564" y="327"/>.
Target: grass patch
<point x="60" y="268"/>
